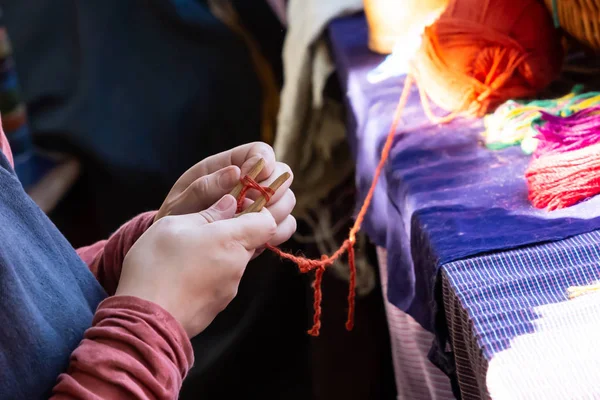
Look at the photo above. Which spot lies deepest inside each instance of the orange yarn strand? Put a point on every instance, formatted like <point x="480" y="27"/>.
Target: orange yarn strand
<point x="314" y="331"/>
<point x="352" y="289"/>
<point x="306" y="265"/>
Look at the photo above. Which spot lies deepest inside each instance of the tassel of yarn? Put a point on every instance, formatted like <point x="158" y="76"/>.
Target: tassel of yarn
<point x="561" y="180"/>
<point x="518" y="122"/>
<point x="565" y="168"/>
<point x="564" y="134"/>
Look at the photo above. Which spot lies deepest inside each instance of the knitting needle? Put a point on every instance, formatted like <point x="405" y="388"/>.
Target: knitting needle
<point x="253" y="173"/>
<point x="262" y="201"/>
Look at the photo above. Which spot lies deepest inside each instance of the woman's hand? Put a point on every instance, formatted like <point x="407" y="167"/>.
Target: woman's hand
<point x="191" y="265"/>
<point x="215" y="176"/>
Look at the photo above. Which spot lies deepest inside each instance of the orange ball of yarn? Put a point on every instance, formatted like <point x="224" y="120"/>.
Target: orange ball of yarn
<point x="480" y="53"/>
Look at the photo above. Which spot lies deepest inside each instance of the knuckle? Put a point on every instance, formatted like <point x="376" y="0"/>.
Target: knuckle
<point x="286" y="168"/>
<point x="200" y="187"/>
<point x="264" y="148"/>
<point x="208" y="216"/>
<point x="231" y="293"/>
<point x="168" y="227"/>
<point x="166" y="223"/>
<point x="224" y="296"/>
<point x="292" y="198"/>
<point x="271" y="226"/>
<point x="231" y="246"/>
<point x="238" y="273"/>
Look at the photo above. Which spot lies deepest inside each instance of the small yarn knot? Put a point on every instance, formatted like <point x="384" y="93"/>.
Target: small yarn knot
<point x="250" y="183"/>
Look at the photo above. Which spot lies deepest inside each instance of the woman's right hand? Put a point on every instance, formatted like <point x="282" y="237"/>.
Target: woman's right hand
<point x="191" y="265"/>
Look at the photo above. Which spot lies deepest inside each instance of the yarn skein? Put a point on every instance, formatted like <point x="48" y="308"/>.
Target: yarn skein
<point x="564" y="134"/>
<point x="563" y="179"/>
<point x="518" y="122"/>
<point x="477" y="55"/>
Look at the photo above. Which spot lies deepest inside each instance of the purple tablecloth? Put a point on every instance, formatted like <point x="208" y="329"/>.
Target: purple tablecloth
<point x="444" y="196"/>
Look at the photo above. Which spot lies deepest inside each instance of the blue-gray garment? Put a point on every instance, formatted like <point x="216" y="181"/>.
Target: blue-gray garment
<point x="47" y="295"/>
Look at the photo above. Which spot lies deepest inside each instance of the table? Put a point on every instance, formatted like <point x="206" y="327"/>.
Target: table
<point x="468" y="259"/>
<point x="513" y="333"/>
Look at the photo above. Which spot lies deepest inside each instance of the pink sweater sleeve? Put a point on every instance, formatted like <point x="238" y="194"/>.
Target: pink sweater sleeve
<point x="134" y="350"/>
<point x="105" y="258"/>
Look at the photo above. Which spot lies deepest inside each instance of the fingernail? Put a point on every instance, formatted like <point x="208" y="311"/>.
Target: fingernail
<point x="225" y="203"/>
<point x="228" y="179"/>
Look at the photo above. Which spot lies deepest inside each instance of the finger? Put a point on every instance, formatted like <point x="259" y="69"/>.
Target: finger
<point x="246" y="203"/>
<point x="280" y="168"/>
<point x="282" y="208"/>
<point x="266" y="171"/>
<point x="222" y="210"/>
<point x="284" y="232"/>
<point x="258" y="252"/>
<point x="251" y="230"/>
<point x="204" y="191"/>
<point x="244" y="156"/>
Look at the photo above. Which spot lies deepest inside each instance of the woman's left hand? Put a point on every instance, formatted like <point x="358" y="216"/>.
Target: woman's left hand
<point x="209" y="180"/>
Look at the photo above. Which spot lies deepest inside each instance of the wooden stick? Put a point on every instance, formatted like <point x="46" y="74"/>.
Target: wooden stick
<point x="262" y="201"/>
<point x="253" y="173"/>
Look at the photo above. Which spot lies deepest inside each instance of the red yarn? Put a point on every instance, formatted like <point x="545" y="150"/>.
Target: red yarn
<point x="250" y="183"/>
<point x="306" y="265"/>
<point x="352" y="289"/>
<point x="314" y="331"/>
<point x="561" y="180"/>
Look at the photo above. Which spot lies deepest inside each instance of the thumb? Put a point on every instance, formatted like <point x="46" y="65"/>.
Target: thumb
<point x="206" y="190"/>
<point x="223" y="209"/>
<point x="251" y="230"/>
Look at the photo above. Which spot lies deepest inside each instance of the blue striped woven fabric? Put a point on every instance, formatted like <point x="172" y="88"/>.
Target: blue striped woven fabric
<point x="498" y="298"/>
<point x="499" y="291"/>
